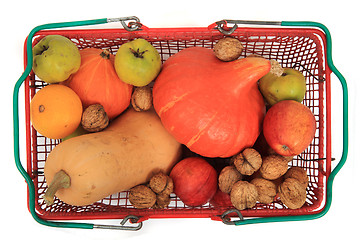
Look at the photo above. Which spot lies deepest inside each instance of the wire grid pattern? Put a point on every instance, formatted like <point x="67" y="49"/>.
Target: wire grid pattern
<point x="290" y="48"/>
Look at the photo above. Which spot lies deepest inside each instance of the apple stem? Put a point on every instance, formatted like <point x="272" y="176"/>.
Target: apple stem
<point x="137" y="53"/>
<point x="283" y="74"/>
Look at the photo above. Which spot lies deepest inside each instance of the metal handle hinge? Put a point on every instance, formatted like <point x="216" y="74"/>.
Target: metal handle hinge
<point x="129" y="23"/>
<point x="133" y="220"/>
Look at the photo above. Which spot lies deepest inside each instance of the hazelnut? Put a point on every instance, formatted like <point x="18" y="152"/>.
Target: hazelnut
<point x="228" y="49"/>
<point x="227" y="177"/>
<point x="299" y="174"/>
<point x="94" y="118"/>
<point x="273" y="167"/>
<point x="243" y="195"/>
<point x="141" y="99"/>
<point x="161" y="183"/>
<point x="142" y="196"/>
<point x="266" y="190"/>
<point x="292" y="193"/>
<point x="248" y="161"/>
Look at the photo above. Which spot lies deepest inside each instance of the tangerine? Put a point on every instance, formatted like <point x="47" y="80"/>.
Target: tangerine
<point x="55" y="111"/>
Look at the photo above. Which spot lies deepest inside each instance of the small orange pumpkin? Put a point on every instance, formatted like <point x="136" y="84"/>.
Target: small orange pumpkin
<point x="97" y="82"/>
<point x="213" y="107"/>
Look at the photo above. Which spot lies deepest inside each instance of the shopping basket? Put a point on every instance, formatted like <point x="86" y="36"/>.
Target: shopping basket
<point x="305" y="46"/>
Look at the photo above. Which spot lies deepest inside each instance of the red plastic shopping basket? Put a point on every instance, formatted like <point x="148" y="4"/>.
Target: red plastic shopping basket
<point x="300" y="45"/>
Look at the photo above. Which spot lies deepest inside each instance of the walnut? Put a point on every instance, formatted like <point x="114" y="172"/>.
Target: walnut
<point x="243" y="195"/>
<point x="94" y="118"/>
<point x="266" y="190"/>
<point x="162" y="201"/>
<point x="142" y="196"/>
<point x="299" y="174"/>
<point x="273" y="167"/>
<point x="227" y="177"/>
<point x="276" y="68"/>
<point x="255" y="55"/>
<point x="141" y="99"/>
<point x="271" y="151"/>
<point x="292" y="193"/>
<point x="161" y="183"/>
<point x="228" y="49"/>
<point x="248" y="161"/>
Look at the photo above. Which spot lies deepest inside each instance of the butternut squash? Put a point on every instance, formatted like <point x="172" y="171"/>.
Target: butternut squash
<point x="87" y="168"/>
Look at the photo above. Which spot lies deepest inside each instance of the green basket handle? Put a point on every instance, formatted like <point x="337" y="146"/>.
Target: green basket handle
<point x="30" y="184"/>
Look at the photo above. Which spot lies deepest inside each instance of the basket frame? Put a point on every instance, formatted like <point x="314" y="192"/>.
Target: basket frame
<point x="33" y="208"/>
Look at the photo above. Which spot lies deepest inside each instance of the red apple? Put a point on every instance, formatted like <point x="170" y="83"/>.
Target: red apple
<point x="195" y="181"/>
<point x="289" y="127"/>
<point x="221" y="199"/>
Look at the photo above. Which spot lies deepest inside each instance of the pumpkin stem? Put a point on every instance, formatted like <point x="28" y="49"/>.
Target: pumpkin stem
<point x="60" y="180"/>
<point x="105" y="54"/>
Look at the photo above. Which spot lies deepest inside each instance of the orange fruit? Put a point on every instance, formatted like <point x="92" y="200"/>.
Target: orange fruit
<point x="55" y="111"/>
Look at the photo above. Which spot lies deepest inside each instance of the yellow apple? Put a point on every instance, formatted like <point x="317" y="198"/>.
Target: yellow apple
<point x="55" y="58"/>
<point x="290" y="85"/>
<point x="137" y="62"/>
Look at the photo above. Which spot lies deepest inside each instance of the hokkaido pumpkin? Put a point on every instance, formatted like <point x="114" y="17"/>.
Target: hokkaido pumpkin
<point x="87" y="168"/>
<point x="211" y="106"/>
<point x="97" y="82"/>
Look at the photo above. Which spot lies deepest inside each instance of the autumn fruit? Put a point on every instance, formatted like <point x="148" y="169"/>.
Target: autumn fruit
<point x="55" y="111"/>
<point x="55" y="58"/>
<point x="137" y="62"/>
<point x="213" y="107"/>
<point x="289" y="127"/>
<point x="78" y="132"/>
<point x="290" y="85"/>
<point x="96" y="82"/>
<point x="195" y="181"/>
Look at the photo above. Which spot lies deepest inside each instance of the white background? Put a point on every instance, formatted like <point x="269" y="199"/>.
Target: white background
<point x="342" y="19"/>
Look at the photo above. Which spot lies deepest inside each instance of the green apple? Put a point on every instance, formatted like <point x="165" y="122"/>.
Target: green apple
<point x="55" y="58"/>
<point x="78" y="132"/>
<point x="137" y="62"/>
<point x="290" y="85"/>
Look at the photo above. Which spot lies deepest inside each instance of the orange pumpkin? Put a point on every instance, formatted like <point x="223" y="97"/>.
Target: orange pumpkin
<point x="213" y="107"/>
<point x="97" y="82"/>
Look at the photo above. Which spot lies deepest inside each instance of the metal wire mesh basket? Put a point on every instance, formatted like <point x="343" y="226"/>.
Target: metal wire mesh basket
<point x="300" y="45"/>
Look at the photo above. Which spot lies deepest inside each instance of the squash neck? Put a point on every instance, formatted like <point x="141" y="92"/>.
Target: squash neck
<point x="61" y="180"/>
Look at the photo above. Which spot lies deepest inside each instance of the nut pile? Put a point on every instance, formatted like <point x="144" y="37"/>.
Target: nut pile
<point x="155" y="194"/>
<point x="251" y="178"/>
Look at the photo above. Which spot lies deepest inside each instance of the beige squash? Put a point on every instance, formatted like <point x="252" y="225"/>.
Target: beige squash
<point x="87" y="168"/>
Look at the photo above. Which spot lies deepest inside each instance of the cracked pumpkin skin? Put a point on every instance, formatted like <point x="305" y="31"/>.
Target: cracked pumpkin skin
<point x="208" y="105"/>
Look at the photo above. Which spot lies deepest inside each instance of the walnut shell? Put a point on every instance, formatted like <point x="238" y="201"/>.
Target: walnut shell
<point x="228" y="49"/>
<point x="266" y="190"/>
<point x="292" y="193"/>
<point x="161" y="183"/>
<point x="248" y="161"/>
<point x="94" y="118"/>
<point x="228" y="176"/>
<point x="162" y="201"/>
<point x="141" y="99"/>
<point x="243" y="195"/>
<point x="142" y="196"/>
<point x="276" y="68"/>
<point x="273" y="167"/>
<point x="298" y="173"/>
